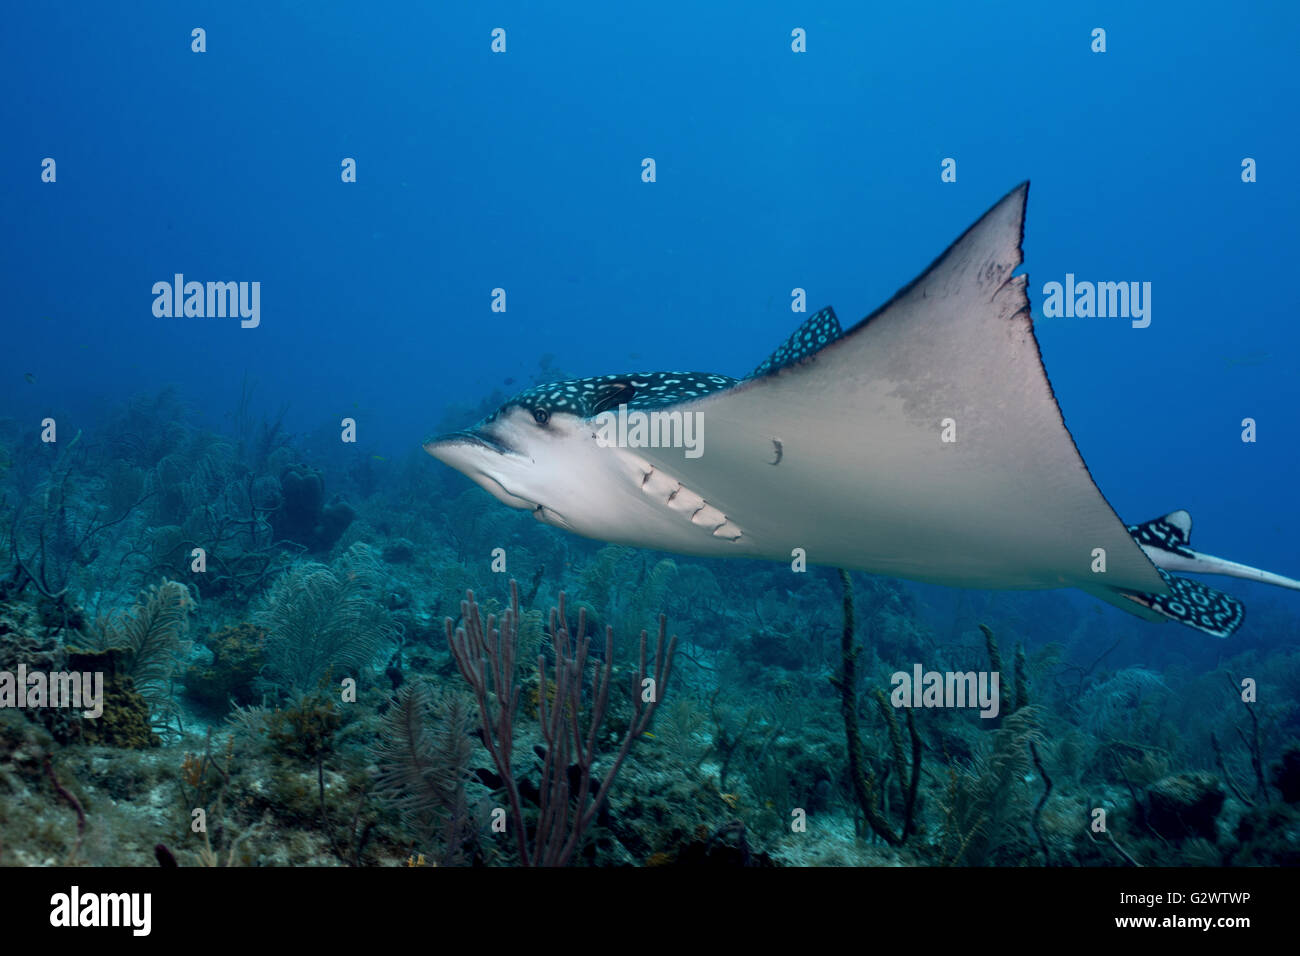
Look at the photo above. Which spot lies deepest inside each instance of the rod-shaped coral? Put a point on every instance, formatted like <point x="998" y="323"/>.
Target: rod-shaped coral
<point x="861" y="775"/>
<point x="568" y="800"/>
<point x="483" y="654"/>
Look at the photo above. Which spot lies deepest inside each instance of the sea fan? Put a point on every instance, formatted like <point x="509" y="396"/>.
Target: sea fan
<point x="649" y="596"/>
<point x="152" y="638"/>
<point x="603" y="575"/>
<point x="423" y="755"/>
<point x="1117" y="701"/>
<point x="320" y="617"/>
<point x="985" y="802"/>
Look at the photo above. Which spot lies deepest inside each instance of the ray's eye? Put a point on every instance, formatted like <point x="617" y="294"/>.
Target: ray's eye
<point x="541" y="416"/>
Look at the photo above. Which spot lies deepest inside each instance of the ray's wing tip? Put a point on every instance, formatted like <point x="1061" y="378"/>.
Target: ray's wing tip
<point x="1009" y="211"/>
<point x="1017" y="199"/>
<point x="1019" y="195"/>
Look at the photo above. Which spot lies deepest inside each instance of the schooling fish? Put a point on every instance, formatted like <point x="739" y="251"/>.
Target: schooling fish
<point x="925" y="443"/>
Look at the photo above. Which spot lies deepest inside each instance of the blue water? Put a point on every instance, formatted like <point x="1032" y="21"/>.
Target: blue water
<point x="774" y="170"/>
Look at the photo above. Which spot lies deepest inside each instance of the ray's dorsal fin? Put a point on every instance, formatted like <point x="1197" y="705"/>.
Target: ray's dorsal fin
<point x="811" y="337"/>
<point x="1171" y="533"/>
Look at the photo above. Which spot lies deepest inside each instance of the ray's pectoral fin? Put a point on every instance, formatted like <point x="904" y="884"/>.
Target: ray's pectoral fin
<point x="1194" y="604"/>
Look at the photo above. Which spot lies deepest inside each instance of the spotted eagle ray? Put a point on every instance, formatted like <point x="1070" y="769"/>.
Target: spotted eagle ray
<point x="924" y="443"/>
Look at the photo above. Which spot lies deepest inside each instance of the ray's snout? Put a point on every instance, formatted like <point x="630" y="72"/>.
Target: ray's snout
<point x="454" y="445"/>
<point x="483" y="458"/>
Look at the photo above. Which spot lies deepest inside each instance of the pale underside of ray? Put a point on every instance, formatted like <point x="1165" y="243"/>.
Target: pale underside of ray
<point x="864" y="479"/>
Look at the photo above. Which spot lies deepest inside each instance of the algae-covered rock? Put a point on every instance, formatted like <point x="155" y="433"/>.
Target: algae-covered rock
<point x="1286" y="774"/>
<point x="1184" y="805"/>
<point x="238" y="653"/>
<point x="124" y="721"/>
<point x="1269" y="836"/>
<point x="400" y="551"/>
<point x="305" y="727"/>
<point x="25" y="642"/>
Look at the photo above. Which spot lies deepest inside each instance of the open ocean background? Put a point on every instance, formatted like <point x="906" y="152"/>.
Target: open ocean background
<point x="775" y="170"/>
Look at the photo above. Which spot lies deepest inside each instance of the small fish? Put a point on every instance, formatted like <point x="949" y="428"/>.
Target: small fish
<point x="648" y="734"/>
<point x="31" y="379"/>
<point x="379" y="458"/>
<point x="1254" y="358"/>
<point x="510" y="381"/>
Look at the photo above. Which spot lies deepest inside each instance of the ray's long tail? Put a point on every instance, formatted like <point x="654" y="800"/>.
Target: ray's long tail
<point x="1167" y="542"/>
